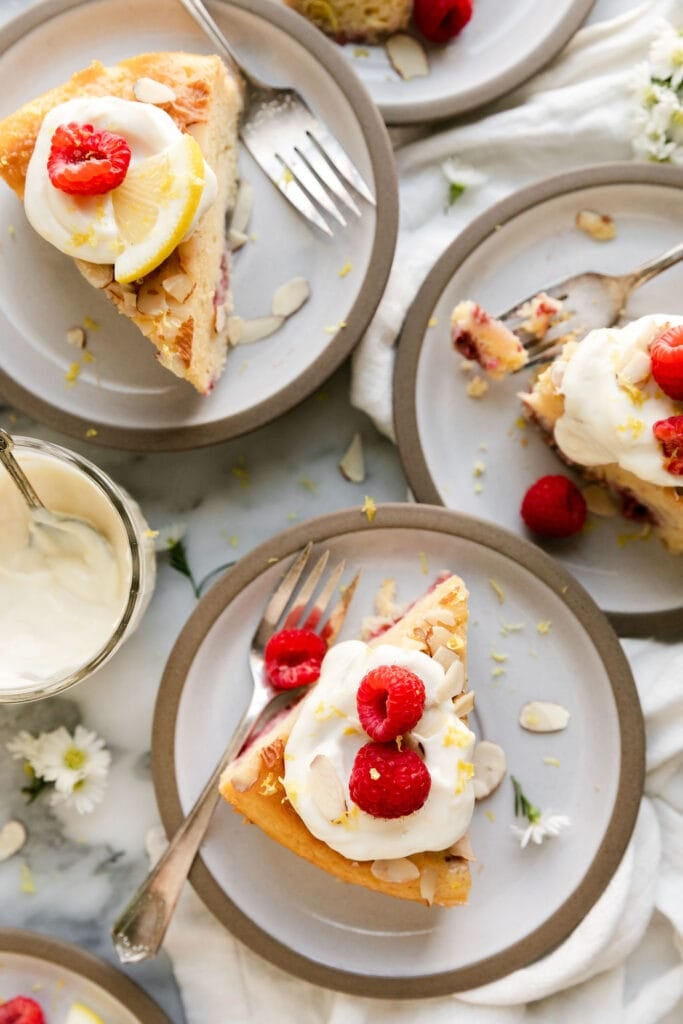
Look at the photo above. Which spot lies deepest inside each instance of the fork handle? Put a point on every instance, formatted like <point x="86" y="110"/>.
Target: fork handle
<point x="656" y="266"/>
<point x="197" y="9"/>
<point x="139" y="931"/>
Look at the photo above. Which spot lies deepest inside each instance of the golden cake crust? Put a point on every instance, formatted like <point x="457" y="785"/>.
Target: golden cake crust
<point x="253" y="783"/>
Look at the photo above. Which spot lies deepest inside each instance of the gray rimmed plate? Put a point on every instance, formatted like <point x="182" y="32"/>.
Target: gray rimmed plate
<point x="123" y="397"/>
<point x="57" y="974"/>
<point x="520" y="245"/>
<point x="523" y="903"/>
<point x="502" y="46"/>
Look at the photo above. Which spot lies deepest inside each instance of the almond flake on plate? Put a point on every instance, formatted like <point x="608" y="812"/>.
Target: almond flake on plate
<point x="407" y="56"/>
<point x="599" y="226"/>
<point x="290" y="297"/>
<point x="490" y="766"/>
<point x="543" y="716"/>
<point x="12" y="838"/>
<point x="352" y="463"/>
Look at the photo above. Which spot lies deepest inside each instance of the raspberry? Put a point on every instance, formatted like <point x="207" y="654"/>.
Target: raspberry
<point x="21" y="1010"/>
<point x="666" y="353"/>
<point x="388" y="783"/>
<point x="390" y="701"/>
<point x="554" y="507"/>
<point x="669" y="433"/>
<point x="293" y="657"/>
<point x="441" y="20"/>
<point x="85" y="161"/>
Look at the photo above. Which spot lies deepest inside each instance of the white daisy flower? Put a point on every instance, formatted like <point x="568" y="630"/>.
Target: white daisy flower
<point x="68" y="760"/>
<point x="666" y="56"/>
<point x="29" y="748"/>
<point x="83" y="797"/>
<point x="168" y="536"/>
<point x="461" y="173"/>
<point x="545" y="827"/>
<point x="657" y="88"/>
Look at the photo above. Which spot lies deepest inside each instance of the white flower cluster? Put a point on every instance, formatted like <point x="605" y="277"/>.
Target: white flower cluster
<point x="75" y="766"/>
<point x="545" y="827"/>
<point x="658" y="88"/>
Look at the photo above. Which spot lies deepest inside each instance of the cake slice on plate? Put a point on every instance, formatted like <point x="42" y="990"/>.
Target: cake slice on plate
<point x="612" y="406"/>
<point x="356" y="20"/>
<point x="319" y="783"/>
<point x="144" y="218"/>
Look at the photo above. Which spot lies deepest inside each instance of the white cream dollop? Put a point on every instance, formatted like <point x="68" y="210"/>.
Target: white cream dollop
<point x="606" y="422"/>
<point x="327" y="724"/>
<point x="63" y="589"/>
<point x="85" y="226"/>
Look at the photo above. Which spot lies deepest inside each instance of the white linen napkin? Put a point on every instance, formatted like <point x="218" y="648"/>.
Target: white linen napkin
<point x="623" y="964"/>
<point x="596" y="975"/>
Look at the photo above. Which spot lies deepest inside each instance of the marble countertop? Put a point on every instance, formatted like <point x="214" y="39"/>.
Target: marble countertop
<point x="84" y="871"/>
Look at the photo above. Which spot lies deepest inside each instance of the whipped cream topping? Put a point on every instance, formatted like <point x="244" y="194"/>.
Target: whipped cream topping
<point x="327" y="724"/>
<point x="63" y="588"/>
<point x="607" y="419"/>
<point x="85" y="226"/>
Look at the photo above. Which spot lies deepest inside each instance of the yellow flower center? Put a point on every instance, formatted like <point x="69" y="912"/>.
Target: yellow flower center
<point x="74" y="758"/>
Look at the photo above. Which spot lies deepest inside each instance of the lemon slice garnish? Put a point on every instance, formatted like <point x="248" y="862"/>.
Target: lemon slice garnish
<point x="80" y="1014"/>
<point x="155" y="206"/>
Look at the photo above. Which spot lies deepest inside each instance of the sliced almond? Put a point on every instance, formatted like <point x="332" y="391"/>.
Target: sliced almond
<point x="440" y="617"/>
<point x="557" y="370"/>
<point x="234" y="329"/>
<point x="463" y="848"/>
<point x="463" y="704"/>
<point x="599" y="501"/>
<point x="290" y="297"/>
<point x="236" y="239"/>
<point x="327" y="790"/>
<point x="428" y="880"/>
<point x="12" y="838"/>
<point x="151" y="300"/>
<point x="241" y="211"/>
<point x="76" y="336"/>
<point x="445" y="657"/>
<point x="439" y="637"/>
<point x="178" y="286"/>
<point x="430" y="723"/>
<point x="407" y="56"/>
<point x="352" y="463"/>
<point x="489" y="768"/>
<point x="637" y="369"/>
<point x="454" y="680"/>
<point x="220" y="319"/>
<point x="397" y="871"/>
<point x="99" y="275"/>
<point x="599" y="226"/>
<point x="543" y="716"/>
<point x="385" y="599"/>
<point x="148" y="90"/>
<point x="254" y="330"/>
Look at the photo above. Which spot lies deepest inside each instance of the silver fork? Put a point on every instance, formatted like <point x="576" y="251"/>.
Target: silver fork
<point x="297" y="152"/>
<point x="589" y="301"/>
<point x="139" y="931"/>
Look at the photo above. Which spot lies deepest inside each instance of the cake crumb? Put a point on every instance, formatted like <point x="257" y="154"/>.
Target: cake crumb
<point x="479" y="488"/>
<point x="11" y="230"/>
<point x="477" y="387"/>
<point x="479" y="468"/>
<point x="511" y="627"/>
<point x="543" y="627"/>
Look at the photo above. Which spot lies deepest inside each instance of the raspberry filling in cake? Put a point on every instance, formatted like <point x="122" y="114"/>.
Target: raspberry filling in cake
<point x="479" y="336"/>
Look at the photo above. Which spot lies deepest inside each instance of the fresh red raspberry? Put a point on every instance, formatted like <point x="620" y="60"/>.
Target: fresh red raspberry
<point x="21" y="1010"/>
<point x="669" y="433"/>
<point x="293" y="657"/>
<point x="554" y="507"/>
<point x="390" y="701"/>
<point x="441" y="20"/>
<point x="666" y="353"/>
<point x="387" y="782"/>
<point x="85" y="161"/>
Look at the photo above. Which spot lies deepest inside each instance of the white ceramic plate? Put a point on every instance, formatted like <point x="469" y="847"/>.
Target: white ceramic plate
<point x="522" y="902"/>
<point x="502" y="46"/>
<point x="518" y="247"/>
<point x="124" y="394"/>
<point x="57" y="974"/>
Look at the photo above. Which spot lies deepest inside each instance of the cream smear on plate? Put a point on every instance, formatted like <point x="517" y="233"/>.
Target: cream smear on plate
<point x="328" y="724"/>
<point x="63" y="591"/>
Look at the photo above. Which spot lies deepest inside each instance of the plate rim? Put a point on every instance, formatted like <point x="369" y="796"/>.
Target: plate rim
<point x="376" y="140"/>
<point x="578" y="602"/>
<point x="65" y="954"/>
<point x="664" y="625"/>
<point x="405" y="112"/>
